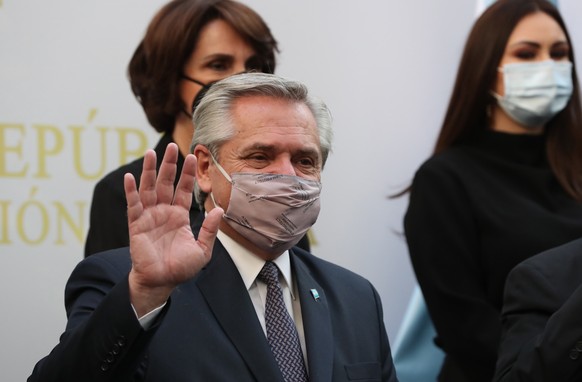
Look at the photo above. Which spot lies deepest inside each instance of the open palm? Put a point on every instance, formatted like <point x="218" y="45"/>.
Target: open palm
<point x="164" y="251"/>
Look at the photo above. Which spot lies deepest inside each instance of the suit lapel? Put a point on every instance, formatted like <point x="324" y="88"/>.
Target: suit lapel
<point x="316" y="323"/>
<point x="222" y="287"/>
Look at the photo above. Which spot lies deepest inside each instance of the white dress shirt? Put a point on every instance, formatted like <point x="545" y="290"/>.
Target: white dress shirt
<point x="249" y="265"/>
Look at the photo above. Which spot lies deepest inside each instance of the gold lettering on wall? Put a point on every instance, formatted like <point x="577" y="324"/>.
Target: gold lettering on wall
<point x="16" y="149"/>
<point x="78" y="153"/>
<point x="125" y="151"/>
<point x="76" y="226"/>
<point x="35" y="158"/>
<point x="50" y="142"/>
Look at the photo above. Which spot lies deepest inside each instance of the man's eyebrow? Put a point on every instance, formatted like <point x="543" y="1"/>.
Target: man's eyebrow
<point x="258" y="146"/>
<point x="272" y="148"/>
<point x="308" y="152"/>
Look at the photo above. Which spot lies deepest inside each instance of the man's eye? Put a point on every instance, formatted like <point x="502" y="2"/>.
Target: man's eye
<point x="306" y="162"/>
<point x="258" y="157"/>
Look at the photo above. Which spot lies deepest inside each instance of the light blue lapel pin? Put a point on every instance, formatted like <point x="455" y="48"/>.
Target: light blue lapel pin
<point x="315" y="294"/>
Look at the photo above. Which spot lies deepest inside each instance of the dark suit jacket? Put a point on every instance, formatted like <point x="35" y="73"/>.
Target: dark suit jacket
<point x="209" y="330"/>
<point x="542" y="318"/>
<point x="108" y="217"/>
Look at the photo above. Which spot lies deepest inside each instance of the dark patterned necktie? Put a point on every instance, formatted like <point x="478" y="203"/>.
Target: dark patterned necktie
<point x="281" y="331"/>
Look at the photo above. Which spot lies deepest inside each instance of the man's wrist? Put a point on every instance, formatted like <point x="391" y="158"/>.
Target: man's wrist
<point x="147" y="319"/>
<point x="146" y="299"/>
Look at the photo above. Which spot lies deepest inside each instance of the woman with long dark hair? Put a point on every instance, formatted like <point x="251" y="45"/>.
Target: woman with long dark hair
<point x="504" y="181"/>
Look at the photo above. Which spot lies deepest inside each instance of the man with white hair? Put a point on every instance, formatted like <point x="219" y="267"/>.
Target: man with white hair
<point x="228" y="297"/>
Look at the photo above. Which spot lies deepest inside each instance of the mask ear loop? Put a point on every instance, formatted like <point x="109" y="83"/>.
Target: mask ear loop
<point x="201" y="93"/>
<point x="494" y="94"/>
<point x="193" y="80"/>
<point x="213" y="201"/>
<point x="222" y="171"/>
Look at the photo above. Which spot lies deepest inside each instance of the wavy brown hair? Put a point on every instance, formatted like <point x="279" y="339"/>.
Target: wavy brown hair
<point x="156" y="66"/>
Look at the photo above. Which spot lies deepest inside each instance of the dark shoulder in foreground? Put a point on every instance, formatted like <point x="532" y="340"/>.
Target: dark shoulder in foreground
<point x="556" y="261"/>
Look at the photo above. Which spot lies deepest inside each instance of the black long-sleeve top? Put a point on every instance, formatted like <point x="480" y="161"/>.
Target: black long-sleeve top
<point x="475" y="211"/>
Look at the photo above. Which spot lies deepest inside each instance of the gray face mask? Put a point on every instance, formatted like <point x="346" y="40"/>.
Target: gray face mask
<point x="272" y="211"/>
<point x="535" y="91"/>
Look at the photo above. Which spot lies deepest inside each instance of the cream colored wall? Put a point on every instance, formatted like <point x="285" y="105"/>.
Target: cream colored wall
<point x="385" y="68"/>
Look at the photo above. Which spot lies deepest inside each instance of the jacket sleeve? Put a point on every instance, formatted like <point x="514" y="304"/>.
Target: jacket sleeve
<point x="103" y="340"/>
<point x="442" y="238"/>
<point x="542" y="330"/>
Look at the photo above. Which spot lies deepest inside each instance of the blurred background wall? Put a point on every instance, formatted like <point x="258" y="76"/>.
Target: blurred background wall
<point x="67" y="117"/>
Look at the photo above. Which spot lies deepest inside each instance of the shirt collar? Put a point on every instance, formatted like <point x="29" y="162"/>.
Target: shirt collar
<point x="249" y="265"/>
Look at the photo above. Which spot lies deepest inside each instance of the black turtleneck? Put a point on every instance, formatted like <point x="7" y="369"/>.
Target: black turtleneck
<point x="476" y="211"/>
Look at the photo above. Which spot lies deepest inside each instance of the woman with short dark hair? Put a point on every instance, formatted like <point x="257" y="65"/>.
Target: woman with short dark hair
<point x="188" y="45"/>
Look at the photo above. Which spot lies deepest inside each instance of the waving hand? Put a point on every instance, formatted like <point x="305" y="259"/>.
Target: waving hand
<point x="164" y="252"/>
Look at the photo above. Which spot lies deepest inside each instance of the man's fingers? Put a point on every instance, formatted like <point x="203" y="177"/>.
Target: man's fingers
<point x="134" y="206"/>
<point x="185" y="186"/>
<point x="147" y="183"/>
<point x="167" y="175"/>
<point x="209" y="229"/>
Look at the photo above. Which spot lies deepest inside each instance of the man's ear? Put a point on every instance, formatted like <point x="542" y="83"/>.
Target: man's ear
<point x="203" y="167"/>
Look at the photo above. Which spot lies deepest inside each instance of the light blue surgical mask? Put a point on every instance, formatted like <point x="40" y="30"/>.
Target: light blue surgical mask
<point x="535" y="91"/>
